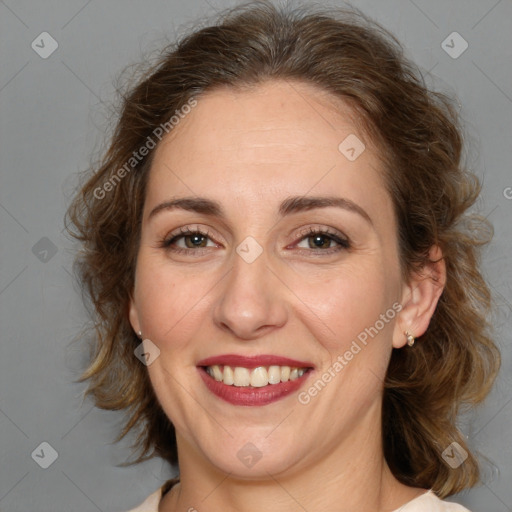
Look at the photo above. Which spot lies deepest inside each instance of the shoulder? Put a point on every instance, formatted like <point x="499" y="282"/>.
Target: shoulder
<point x="150" y="504"/>
<point x="429" y="502"/>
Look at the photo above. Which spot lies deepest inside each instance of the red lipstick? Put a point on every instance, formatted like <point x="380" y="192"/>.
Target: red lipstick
<point x="253" y="361"/>
<point x="247" y="395"/>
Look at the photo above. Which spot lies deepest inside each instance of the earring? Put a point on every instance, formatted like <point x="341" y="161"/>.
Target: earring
<point x="410" y="339"/>
<point x="139" y="334"/>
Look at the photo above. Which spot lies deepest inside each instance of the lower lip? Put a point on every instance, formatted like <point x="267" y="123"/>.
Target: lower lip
<point x="249" y="396"/>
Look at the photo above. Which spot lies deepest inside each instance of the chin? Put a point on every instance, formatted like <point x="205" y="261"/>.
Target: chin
<point x="254" y="456"/>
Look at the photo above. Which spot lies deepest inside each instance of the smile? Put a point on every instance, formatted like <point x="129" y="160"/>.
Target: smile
<point x="256" y="378"/>
<point x="253" y="381"/>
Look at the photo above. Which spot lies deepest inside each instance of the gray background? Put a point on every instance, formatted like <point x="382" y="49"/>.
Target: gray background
<point x="53" y="117"/>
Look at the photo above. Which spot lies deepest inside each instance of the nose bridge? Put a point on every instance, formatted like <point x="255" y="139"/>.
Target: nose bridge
<point x="250" y="302"/>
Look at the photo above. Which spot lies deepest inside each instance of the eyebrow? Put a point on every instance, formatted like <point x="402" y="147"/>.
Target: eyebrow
<point x="305" y="203"/>
<point x="191" y="204"/>
<point x="288" y="206"/>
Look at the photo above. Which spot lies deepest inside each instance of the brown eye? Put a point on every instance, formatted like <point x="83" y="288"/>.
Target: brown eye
<point x="323" y="241"/>
<point x="195" y="240"/>
<point x="319" y="242"/>
<point x="187" y="239"/>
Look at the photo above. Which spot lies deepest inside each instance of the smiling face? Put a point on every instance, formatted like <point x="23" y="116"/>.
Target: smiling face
<point x="265" y="245"/>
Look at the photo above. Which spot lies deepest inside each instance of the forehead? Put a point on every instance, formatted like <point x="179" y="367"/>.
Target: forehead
<point x="274" y="138"/>
<point x="281" y="114"/>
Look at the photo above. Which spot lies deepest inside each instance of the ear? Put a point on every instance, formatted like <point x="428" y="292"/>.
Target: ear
<point x="420" y="297"/>
<point x="133" y="315"/>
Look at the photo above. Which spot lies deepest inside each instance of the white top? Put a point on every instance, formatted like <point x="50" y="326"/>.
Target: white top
<point x="427" y="502"/>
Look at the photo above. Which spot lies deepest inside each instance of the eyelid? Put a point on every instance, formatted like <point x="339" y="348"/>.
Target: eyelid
<point x="342" y="241"/>
<point x="319" y="229"/>
<point x="189" y="229"/>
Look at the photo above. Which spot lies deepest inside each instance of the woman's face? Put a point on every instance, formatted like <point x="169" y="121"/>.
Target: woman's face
<point x="268" y="252"/>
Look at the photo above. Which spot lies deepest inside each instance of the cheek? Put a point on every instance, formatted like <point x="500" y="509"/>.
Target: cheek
<point x="345" y="306"/>
<point x="168" y="300"/>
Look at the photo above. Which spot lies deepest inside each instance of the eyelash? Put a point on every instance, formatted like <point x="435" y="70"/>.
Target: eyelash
<point x="343" y="243"/>
<point x="167" y="242"/>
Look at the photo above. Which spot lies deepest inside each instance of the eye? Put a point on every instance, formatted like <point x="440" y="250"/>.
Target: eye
<point x="322" y="240"/>
<point x="188" y="239"/>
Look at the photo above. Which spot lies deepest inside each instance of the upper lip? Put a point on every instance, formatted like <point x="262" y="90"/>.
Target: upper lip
<point x="253" y="361"/>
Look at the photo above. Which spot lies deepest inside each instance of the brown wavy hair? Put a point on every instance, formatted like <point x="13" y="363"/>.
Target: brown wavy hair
<point x="418" y="134"/>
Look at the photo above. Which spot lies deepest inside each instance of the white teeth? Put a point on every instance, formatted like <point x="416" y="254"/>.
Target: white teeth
<point x="228" y="376"/>
<point x="217" y="373"/>
<point x="241" y="377"/>
<point x="256" y="378"/>
<point x="259" y="377"/>
<point x="274" y="375"/>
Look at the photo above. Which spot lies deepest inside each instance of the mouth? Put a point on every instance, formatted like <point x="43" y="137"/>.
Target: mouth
<point x="253" y="381"/>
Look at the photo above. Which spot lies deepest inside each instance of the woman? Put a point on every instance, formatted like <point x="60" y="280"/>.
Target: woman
<point x="287" y="295"/>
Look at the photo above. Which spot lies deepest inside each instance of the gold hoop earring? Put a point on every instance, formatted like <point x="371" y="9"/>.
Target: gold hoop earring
<point x="410" y="339"/>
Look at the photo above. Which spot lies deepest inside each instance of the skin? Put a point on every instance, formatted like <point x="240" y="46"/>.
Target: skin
<point x="250" y="150"/>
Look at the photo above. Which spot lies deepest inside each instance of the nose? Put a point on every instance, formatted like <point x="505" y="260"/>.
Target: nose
<point x="251" y="301"/>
